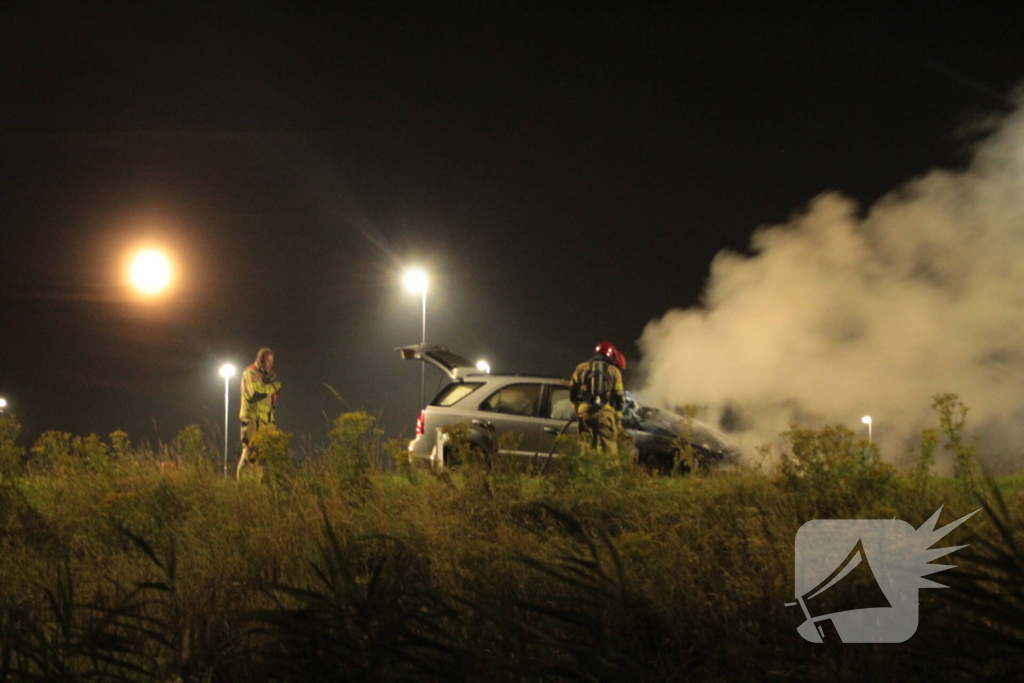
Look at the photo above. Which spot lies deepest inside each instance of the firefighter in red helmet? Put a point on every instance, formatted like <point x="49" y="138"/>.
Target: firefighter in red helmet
<point x="597" y="392"/>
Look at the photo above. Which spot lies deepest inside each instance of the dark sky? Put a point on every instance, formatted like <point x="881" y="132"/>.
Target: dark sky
<point x="566" y="174"/>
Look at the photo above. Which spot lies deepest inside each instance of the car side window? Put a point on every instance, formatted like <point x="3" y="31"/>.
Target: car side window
<point x="515" y="399"/>
<point x="561" y="407"/>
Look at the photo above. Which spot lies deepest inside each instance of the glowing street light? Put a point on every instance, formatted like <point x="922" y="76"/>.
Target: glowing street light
<point x="3" y="404"/>
<point x="483" y="366"/>
<point x="150" y="272"/>
<point x="867" y="420"/>
<point x="415" y="281"/>
<point x="227" y="371"/>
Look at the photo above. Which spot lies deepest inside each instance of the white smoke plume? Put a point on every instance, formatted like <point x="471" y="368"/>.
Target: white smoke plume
<point x="842" y="313"/>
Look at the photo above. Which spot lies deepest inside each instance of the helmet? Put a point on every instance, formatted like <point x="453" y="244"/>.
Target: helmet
<point x="608" y="350"/>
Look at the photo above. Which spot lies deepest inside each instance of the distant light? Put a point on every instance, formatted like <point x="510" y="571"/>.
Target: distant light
<point x="866" y="419"/>
<point x="3" y="402"/>
<point x="483" y="366"/>
<point x="227" y="370"/>
<point x="150" y="271"/>
<point x="415" y="281"/>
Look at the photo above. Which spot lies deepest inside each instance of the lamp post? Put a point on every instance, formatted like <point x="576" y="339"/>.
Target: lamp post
<point x="867" y="420"/>
<point x="227" y="371"/>
<point x="415" y="281"/>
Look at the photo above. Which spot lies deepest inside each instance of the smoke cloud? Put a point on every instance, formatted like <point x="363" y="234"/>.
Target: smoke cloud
<point x="842" y="313"/>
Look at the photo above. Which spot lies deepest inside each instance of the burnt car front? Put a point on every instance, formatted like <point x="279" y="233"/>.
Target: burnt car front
<point x="660" y="436"/>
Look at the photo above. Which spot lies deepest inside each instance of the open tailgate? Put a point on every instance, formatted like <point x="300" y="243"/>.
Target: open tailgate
<point x="452" y="364"/>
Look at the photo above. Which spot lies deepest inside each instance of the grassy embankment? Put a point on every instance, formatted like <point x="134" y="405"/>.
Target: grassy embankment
<point x="121" y="562"/>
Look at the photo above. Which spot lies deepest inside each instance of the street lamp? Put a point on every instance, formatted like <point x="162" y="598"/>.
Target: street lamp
<point x="415" y="280"/>
<point x="483" y="366"/>
<point x="227" y="371"/>
<point x="3" y="404"/>
<point x="867" y="420"/>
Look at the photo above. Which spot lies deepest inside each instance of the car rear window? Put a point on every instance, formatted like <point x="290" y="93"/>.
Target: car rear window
<point x="455" y="392"/>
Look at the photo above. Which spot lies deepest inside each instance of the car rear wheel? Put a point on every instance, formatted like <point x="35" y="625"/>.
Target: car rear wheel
<point x="474" y="452"/>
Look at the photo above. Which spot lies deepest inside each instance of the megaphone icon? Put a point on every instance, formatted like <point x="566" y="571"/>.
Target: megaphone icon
<point x="856" y="570"/>
<point x="861" y="602"/>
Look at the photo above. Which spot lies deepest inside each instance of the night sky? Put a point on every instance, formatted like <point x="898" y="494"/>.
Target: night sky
<point x="566" y="175"/>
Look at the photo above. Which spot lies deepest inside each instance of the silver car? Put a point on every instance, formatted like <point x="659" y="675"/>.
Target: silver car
<point x="536" y="410"/>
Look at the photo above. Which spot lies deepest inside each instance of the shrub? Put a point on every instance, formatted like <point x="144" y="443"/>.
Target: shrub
<point x="397" y="450"/>
<point x="120" y="445"/>
<point x="59" y="452"/>
<point x="89" y="453"/>
<point x="52" y="451"/>
<point x="192" y="450"/>
<point x="355" y="448"/>
<point x="685" y="457"/>
<point x="272" y="446"/>
<point x="457" y="447"/>
<point x="456" y="452"/>
<point x="834" y="468"/>
<point x="577" y="461"/>
<point x="10" y="453"/>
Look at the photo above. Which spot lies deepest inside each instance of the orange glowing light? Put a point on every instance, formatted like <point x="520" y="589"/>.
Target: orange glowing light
<point x="150" y="272"/>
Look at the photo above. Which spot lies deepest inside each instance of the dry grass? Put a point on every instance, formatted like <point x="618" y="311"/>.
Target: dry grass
<point x="115" y="568"/>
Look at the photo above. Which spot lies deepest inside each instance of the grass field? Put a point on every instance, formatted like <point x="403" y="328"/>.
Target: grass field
<point x="122" y="562"/>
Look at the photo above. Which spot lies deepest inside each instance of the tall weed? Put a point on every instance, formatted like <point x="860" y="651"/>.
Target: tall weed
<point x="952" y="417"/>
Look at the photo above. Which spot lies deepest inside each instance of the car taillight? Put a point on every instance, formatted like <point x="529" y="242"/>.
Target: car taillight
<point x="420" y="422"/>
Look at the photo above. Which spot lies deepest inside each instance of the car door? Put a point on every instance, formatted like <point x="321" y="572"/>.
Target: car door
<point x="513" y="409"/>
<point x="558" y="416"/>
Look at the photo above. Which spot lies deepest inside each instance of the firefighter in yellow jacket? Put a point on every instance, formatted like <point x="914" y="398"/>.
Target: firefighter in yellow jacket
<point x="597" y="392"/>
<point x="259" y="399"/>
